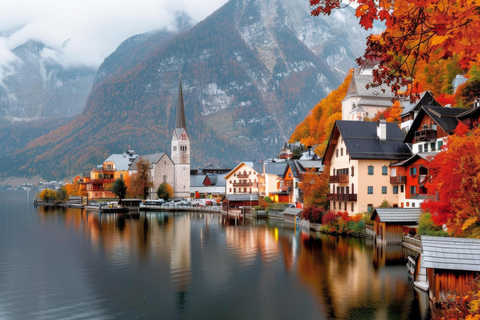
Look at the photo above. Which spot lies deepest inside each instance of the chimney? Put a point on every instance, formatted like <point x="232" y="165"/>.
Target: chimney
<point x="382" y="129"/>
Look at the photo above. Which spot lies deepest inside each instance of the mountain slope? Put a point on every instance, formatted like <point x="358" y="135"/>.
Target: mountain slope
<point x="250" y="72"/>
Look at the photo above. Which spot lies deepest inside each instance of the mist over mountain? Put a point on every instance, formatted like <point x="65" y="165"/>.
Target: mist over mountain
<point x="251" y="71"/>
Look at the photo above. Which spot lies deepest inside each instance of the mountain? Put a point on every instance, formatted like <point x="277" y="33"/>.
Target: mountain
<point x="39" y="87"/>
<point x="251" y="71"/>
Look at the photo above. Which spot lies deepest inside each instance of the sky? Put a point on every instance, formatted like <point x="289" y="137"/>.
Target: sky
<point x="84" y="33"/>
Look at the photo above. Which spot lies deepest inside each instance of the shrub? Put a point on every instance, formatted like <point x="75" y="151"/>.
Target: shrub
<point x="329" y="218"/>
<point x="277" y="206"/>
<point x="312" y="214"/>
<point x="267" y="199"/>
<point x="461" y="307"/>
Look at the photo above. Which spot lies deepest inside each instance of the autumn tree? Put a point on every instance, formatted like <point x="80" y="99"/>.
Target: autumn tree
<point x="165" y="191"/>
<point x="456" y="179"/>
<point x="119" y="188"/>
<point x="315" y="188"/>
<point x="417" y="31"/>
<point x="140" y="182"/>
<point x="47" y="195"/>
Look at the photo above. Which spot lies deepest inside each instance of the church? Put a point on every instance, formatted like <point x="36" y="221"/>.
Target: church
<point x="174" y="170"/>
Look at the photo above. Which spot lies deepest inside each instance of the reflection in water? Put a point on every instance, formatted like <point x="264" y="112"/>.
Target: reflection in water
<point x="204" y="266"/>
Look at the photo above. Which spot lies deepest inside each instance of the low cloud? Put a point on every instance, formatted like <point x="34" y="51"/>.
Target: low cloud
<point x="84" y="33"/>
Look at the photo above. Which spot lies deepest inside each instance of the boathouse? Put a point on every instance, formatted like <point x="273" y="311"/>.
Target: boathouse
<point x="290" y="214"/>
<point x="449" y="264"/>
<point x="390" y="224"/>
<point x="239" y="200"/>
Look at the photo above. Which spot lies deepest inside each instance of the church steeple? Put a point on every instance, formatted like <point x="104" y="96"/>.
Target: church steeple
<point x="180" y="124"/>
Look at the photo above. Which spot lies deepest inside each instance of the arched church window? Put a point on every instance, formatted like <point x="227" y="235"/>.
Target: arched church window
<point x="164" y="178"/>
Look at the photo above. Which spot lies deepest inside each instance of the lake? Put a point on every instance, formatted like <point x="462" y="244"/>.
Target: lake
<point x="72" y="264"/>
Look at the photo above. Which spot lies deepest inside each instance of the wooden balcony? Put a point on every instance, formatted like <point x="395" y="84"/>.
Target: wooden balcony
<point x="339" y="178"/>
<point x="243" y="184"/>
<point x="342" y="197"/>
<point x="242" y="175"/>
<point x="398" y="179"/>
<point x="425" y="135"/>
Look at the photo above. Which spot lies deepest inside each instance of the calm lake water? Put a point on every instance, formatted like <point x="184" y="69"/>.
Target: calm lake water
<point x="72" y="264"/>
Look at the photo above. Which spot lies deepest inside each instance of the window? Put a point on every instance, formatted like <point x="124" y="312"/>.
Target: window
<point x="440" y="144"/>
<point x="420" y="148"/>
<point x="384" y="190"/>
<point x="407" y="204"/>
<point x="370" y="170"/>
<point x="395" y="189"/>
<point x="234" y="190"/>
<point x="425" y="147"/>
<point x="384" y="170"/>
<point x="352" y="170"/>
<point x="352" y="206"/>
<point x="370" y="207"/>
<point x="336" y="152"/>
<point x="164" y="178"/>
<point x="121" y="175"/>
<point x="345" y="206"/>
<point x="339" y="206"/>
<point x="413" y="171"/>
<point x="413" y="204"/>
<point x="413" y="190"/>
<point x="341" y="151"/>
<point x="334" y="205"/>
<point x="370" y="189"/>
<point x="230" y="190"/>
<point x="432" y="146"/>
<point x="401" y="188"/>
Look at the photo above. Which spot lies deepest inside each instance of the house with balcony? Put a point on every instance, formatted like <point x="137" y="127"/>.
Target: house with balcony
<point x="431" y="128"/>
<point x="102" y="177"/>
<point x="412" y="176"/>
<point x="274" y="183"/>
<point x="411" y="109"/>
<point x="359" y="155"/>
<point x="244" y="178"/>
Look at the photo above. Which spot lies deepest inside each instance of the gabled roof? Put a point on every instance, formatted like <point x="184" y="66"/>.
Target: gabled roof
<point x="445" y="118"/>
<point x="451" y="253"/>
<point x="362" y="142"/>
<point x="358" y="87"/>
<point x="292" y="211"/>
<point x="153" y="158"/>
<point x="256" y="166"/>
<point x="421" y="155"/>
<point x="397" y="215"/>
<point x="426" y="99"/>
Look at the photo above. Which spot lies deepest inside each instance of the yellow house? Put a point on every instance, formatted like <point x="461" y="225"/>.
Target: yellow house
<point x="359" y="154"/>
<point x="103" y="176"/>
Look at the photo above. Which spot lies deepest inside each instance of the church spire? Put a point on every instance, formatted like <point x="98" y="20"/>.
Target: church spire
<point x="180" y="109"/>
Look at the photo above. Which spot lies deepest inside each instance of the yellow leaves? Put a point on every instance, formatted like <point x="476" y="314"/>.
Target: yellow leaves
<point x="475" y="305"/>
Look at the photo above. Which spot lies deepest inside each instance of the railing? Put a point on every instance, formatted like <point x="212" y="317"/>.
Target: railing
<point x="398" y="179"/>
<point x="425" y="135"/>
<point x="340" y="178"/>
<point x="243" y="184"/>
<point x="342" y="196"/>
<point x="98" y="181"/>
<point x="412" y="241"/>
<point x="422" y="196"/>
<point x="242" y="175"/>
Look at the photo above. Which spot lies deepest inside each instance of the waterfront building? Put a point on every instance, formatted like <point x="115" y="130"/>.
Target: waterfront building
<point x="207" y="185"/>
<point x="359" y="154"/>
<point x="243" y="179"/>
<point x="390" y="224"/>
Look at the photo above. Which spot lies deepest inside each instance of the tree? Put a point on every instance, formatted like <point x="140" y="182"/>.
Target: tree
<point x="456" y="179"/>
<point x="140" y="183"/>
<point x="165" y="191"/>
<point x="416" y="31"/>
<point x="315" y="188"/>
<point x="119" y="188"/>
<point x="47" y="195"/>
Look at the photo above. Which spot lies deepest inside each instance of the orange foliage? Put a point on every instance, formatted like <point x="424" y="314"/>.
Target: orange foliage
<point x="317" y="125"/>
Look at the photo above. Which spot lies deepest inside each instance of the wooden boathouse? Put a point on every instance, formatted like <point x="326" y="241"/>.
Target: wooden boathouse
<point x="390" y="224"/>
<point x="449" y="264"/>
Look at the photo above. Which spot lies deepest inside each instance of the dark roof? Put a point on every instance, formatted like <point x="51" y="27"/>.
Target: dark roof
<point x="424" y="155"/>
<point x="475" y="112"/>
<point x="293" y="166"/>
<point x="362" y="142"/>
<point x="277" y="168"/>
<point x="152" y="158"/>
<point x="451" y="253"/>
<point x="426" y="99"/>
<point x="446" y="118"/>
<point x="397" y="215"/>
<point x="180" y="109"/>
<point x="212" y="167"/>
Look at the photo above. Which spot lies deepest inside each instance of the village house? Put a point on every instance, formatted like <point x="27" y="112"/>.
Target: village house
<point x="274" y="188"/>
<point x="359" y="155"/>
<point x="98" y="181"/>
<point x="391" y="224"/>
<point x="243" y="179"/>
<point x="208" y="185"/>
<point x="411" y="110"/>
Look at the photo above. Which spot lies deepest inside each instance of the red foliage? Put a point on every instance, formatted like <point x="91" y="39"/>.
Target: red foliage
<point x="329" y="218"/>
<point x="313" y="214"/>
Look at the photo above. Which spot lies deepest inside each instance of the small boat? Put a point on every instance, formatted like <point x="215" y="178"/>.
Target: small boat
<point x="411" y="266"/>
